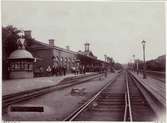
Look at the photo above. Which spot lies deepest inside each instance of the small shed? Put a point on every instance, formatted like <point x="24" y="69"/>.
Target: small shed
<point x="20" y="62"/>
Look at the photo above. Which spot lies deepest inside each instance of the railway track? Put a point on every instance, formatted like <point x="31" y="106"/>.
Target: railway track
<point x="119" y="100"/>
<point x="140" y="108"/>
<point x="30" y="94"/>
<point x="158" y="106"/>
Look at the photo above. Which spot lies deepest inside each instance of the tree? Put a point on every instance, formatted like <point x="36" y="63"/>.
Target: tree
<point x="110" y="60"/>
<point x="118" y="66"/>
<point x="9" y="38"/>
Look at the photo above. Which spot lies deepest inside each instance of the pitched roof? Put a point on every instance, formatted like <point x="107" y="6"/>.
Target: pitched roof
<point x="47" y="46"/>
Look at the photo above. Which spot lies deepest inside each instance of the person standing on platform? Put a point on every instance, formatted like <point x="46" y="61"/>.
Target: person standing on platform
<point x="84" y="69"/>
<point x="53" y="70"/>
<point x="40" y="71"/>
<point x="59" y="70"/>
<point x="105" y="72"/>
<point x="64" y="70"/>
<point x="56" y="71"/>
<point x="77" y="70"/>
<point x="49" y="70"/>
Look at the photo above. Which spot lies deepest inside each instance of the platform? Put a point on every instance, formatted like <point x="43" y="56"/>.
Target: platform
<point x="19" y="85"/>
<point x="156" y="87"/>
<point x="63" y="103"/>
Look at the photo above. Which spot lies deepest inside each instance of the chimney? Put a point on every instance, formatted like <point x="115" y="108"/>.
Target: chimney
<point x="27" y="34"/>
<point x="68" y="47"/>
<point x="87" y="47"/>
<point x="51" y="42"/>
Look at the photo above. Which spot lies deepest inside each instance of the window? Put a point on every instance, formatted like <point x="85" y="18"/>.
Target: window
<point x="26" y="66"/>
<point x="21" y="65"/>
<point x="12" y="66"/>
<point x="30" y="67"/>
<point x="16" y="66"/>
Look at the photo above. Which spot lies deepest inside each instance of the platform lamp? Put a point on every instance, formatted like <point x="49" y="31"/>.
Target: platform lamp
<point x="134" y="62"/>
<point x="105" y="60"/>
<point x="144" y="66"/>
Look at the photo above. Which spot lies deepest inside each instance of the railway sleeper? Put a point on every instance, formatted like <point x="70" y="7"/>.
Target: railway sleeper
<point x="141" y="108"/>
<point x="102" y="116"/>
<point x="142" y="112"/>
<point x="137" y="97"/>
<point x="142" y="116"/>
<point x="138" y="100"/>
<point x="111" y="103"/>
<point x="112" y="94"/>
<point x="110" y="106"/>
<point x="139" y="104"/>
<point x="112" y="98"/>
<point x="108" y="109"/>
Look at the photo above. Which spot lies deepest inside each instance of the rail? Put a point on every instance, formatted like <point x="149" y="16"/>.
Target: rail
<point x="128" y="97"/>
<point x="126" y="107"/>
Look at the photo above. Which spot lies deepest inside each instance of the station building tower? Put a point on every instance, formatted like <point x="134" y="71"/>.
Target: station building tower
<point x="87" y="47"/>
<point x="20" y="61"/>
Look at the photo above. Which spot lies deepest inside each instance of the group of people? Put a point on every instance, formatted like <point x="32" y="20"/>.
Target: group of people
<point x="78" y="69"/>
<point x="58" y="71"/>
<point x="62" y="70"/>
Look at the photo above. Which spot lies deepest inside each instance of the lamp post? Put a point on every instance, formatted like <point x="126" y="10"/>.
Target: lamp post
<point x="134" y="62"/>
<point x="105" y="59"/>
<point x="137" y="66"/>
<point x="144" y="67"/>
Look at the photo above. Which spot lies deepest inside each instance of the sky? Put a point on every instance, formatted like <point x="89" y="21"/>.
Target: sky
<point x="112" y="28"/>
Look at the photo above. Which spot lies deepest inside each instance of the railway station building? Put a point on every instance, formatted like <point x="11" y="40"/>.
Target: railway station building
<point x="46" y="56"/>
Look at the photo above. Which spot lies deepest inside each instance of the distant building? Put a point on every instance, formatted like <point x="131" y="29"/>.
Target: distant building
<point x="158" y="64"/>
<point x="162" y="59"/>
